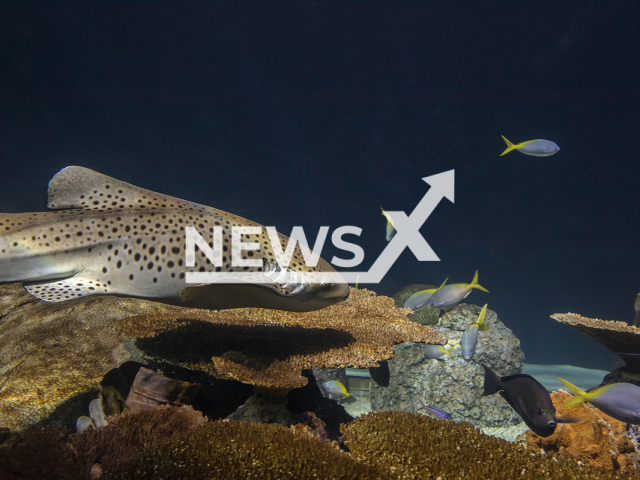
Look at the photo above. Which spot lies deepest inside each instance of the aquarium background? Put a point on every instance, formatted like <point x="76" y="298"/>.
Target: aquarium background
<point x="318" y="113"/>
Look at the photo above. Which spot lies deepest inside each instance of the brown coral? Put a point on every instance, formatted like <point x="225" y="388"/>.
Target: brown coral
<point x="619" y="337"/>
<point x="55" y="354"/>
<point x="270" y="348"/>
<point x="414" y="446"/>
<point x="229" y="450"/>
<point x="174" y="442"/>
<point x="40" y="453"/>
<point x="597" y="439"/>
<point x="130" y="434"/>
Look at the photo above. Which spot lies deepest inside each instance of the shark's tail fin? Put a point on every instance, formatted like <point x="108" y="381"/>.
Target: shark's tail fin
<point x="510" y="146"/>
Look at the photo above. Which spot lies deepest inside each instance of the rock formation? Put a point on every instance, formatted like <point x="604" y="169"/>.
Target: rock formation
<point x="454" y="385"/>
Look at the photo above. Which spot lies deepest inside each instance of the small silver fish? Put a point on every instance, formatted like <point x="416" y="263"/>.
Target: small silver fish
<point x="438" y="412"/>
<point x="453" y="294"/>
<point x="536" y="148"/>
<point x="436" y="351"/>
<point x="421" y="299"/>
<point x="391" y="231"/>
<point x="336" y="390"/>
<point x="470" y="336"/>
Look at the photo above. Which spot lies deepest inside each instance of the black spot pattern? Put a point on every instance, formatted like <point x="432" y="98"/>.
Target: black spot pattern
<point x="134" y="240"/>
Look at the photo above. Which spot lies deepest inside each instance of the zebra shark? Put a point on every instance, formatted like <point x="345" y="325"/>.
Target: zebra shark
<point x="105" y="236"/>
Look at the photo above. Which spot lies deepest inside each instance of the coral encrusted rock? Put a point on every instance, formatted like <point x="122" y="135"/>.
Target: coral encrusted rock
<point x="424" y="316"/>
<point x="454" y="385"/>
<point x="597" y="439"/>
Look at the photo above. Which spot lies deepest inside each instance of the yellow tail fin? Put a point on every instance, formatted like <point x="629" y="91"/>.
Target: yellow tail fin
<point x="482" y="326"/>
<point x="510" y="146"/>
<point x="579" y="396"/>
<point x="474" y="283"/>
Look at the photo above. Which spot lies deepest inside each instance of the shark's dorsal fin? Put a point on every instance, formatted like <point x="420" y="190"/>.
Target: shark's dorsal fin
<point x="79" y="187"/>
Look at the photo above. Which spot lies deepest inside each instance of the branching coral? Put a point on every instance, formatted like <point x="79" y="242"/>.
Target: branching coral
<point x="270" y="348"/>
<point x="413" y="446"/>
<point x="176" y="443"/>
<point x="133" y="433"/>
<point x="239" y="450"/>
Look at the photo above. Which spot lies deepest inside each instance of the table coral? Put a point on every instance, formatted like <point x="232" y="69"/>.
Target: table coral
<point x="55" y="354"/>
<point x="619" y="337"/>
<point x="270" y="348"/>
<point x="597" y="439"/>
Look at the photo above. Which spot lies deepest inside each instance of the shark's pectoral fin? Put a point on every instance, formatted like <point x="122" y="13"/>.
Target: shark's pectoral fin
<point x="79" y="187"/>
<point x="67" y="289"/>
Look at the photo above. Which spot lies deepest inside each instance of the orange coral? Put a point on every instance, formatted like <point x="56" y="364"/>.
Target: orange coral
<point x="597" y="439"/>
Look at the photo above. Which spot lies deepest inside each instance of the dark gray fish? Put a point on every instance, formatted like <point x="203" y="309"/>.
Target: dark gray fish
<point x="526" y="396"/>
<point x="381" y="374"/>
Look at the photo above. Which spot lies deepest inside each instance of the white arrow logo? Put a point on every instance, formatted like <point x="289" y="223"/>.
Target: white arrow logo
<point x="408" y="235"/>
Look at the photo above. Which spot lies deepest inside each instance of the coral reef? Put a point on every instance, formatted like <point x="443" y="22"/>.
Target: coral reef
<point x="355" y="333"/>
<point x="454" y="385"/>
<point x="413" y="446"/>
<point x="597" y="438"/>
<point x="619" y="337"/>
<point x="55" y="354"/>
<point x="426" y="315"/>
<point x="130" y="434"/>
<point x="40" y="453"/>
<point x="239" y="450"/>
<point x="178" y="443"/>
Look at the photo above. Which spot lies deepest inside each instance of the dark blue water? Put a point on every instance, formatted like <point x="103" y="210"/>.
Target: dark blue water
<point x="317" y="113"/>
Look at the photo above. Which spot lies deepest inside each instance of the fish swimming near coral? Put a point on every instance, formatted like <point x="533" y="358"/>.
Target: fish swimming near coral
<point x="454" y="293"/>
<point x="105" y="236"/>
<point x="435" y="411"/>
<point x="618" y="400"/>
<point x="436" y="351"/>
<point x="528" y="398"/>
<point x="537" y="148"/>
<point x="336" y="389"/>
<point x="469" y="338"/>
<point x="421" y="299"/>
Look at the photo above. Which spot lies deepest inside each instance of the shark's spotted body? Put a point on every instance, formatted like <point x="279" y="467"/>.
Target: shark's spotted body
<point x="109" y="237"/>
